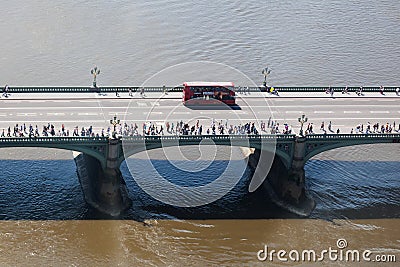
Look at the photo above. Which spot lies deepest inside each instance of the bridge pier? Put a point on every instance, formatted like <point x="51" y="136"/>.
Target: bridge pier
<point x="103" y="187"/>
<point x="286" y="185"/>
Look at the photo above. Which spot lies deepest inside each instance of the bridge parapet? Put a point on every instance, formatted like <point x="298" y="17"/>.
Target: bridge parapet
<point x="278" y="137"/>
<point x="54" y="139"/>
<point x="317" y="143"/>
<point x="351" y="136"/>
<point x="83" y="89"/>
<point x="93" y="146"/>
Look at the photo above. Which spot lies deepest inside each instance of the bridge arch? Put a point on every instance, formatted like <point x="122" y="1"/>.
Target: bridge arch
<point x="282" y="146"/>
<point x="95" y="147"/>
<point x="319" y="143"/>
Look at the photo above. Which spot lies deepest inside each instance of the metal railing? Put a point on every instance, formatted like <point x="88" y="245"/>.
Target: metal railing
<point x="54" y="139"/>
<point x="278" y="137"/>
<point x="203" y="137"/>
<point x="351" y="136"/>
<point x="61" y="89"/>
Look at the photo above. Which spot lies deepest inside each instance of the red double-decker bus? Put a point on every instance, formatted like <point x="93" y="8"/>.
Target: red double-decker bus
<point x="208" y="93"/>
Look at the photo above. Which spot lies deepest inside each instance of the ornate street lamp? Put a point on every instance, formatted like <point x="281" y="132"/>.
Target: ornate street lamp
<point x="265" y="72"/>
<point x="95" y="71"/>
<point x="302" y="120"/>
<point x="114" y="123"/>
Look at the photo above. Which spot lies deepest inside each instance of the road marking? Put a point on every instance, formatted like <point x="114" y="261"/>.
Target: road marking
<point x="88" y="114"/>
<point x="208" y="112"/>
<point x="178" y="112"/>
<point x="152" y="113"/>
<point x="55" y="114"/>
<point x="352" y="111"/>
<point x="26" y="114"/>
<point x="294" y="112"/>
<point x="323" y="112"/>
<point x="95" y="107"/>
<point x="143" y="104"/>
<point x="379" y="112"/>
<point x="12" y="101"/>
<point x="118" y="113"/>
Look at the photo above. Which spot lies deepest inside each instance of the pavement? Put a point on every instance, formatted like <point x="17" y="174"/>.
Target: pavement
<point x="85" y="109"/>
<point x="178" y="95"/>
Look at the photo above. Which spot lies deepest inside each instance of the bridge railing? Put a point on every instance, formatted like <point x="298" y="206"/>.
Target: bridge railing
<point x="351" y="136"/>
<point x="53" y="139"/>
<point x="212" y="137"/>
<point x="64" y="89"/>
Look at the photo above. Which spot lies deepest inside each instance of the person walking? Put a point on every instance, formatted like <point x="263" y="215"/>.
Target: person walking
<point x="359" y="91"/>
<point x="5" y="90"/>
<point x="381" y="89"/>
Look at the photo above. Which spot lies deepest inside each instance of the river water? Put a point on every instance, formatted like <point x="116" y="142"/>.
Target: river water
<point x="44" y="219"/>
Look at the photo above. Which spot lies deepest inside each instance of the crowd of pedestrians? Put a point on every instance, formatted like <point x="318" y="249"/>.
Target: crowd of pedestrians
<point x="185" y="128"/>
<point x="22" y="130"/>
<point x="359" y="91"/>
<point x="376" y="128"/>
<point x="149" y="128"/>
<point x="360" y="128"/>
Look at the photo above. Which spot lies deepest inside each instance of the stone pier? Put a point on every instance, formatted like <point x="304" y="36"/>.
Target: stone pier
<point x="286" y="186"/>
<point x="103" y="187"/>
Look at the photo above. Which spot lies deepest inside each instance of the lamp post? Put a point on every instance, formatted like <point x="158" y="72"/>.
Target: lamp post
<point x="265" y="72"/>
<point x="95" y="71"/>
<point x="114" y="123"/>
<point x="302" y="120"/>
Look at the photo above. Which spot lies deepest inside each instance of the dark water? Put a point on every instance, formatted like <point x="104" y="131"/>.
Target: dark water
<point x="49" y="189"/>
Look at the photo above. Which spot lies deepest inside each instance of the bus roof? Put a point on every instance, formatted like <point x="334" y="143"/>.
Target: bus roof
<point x="224" y="84"/>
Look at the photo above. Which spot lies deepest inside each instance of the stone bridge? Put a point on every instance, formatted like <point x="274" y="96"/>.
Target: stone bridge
<point x="104" y="188"/>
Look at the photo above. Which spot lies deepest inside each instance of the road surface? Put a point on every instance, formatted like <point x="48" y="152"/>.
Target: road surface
<point x="96" y="110"/>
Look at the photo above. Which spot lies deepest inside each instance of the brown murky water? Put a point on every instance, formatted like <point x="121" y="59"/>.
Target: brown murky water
<point x="186" y="242"/>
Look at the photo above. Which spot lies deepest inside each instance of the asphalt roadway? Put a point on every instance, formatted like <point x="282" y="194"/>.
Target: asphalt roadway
<point x="91" y="109"/>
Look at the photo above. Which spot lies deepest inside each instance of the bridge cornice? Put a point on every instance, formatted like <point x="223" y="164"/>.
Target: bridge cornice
<point x="94" y="146"/>
<point x="318" y="143"/>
